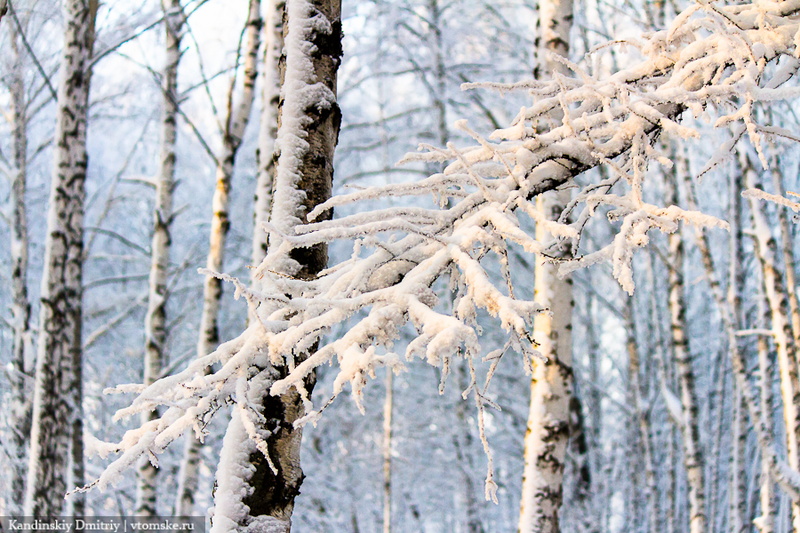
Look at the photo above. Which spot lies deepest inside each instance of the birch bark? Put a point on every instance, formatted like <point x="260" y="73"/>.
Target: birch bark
<point x="388" y="406"/>
<point x="268" y="131"/>
<point x="692" y="452"/>
<point x="781" y="328"/>
<point x="236" y="120"/>
<point x="57" y="394"/>
<point x="155" y="327"/>
<point x="21" y="359"/>
<point x="548" y="417"/>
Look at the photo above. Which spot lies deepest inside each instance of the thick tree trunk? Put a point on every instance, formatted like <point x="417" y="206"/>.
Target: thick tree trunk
<point x="57" y="398"/>
<point x="155" y="327"/>
<point x="689" y="426"/>
<point x="21" y="358"/>
<point x="238" y="116"/>
<point x="548" y="417"/>
<point x="308" y="129"/>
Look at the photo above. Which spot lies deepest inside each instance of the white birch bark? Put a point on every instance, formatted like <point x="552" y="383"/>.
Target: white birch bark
<point x="758" y="408"/>
<point x="766" y="521"/>
<point x="548" y="417"/>
<point x="787" y="247"/>
<point x="781" y="328"/>
<point x="388" y="405"/>
<point x="268" y="130"/>
<point x="21" y="359"/>
<point x="237" y="118"/>
<point x="690" y="431"/>
<point x="56" y="401"/>
<point x="738" y="476"/>
<point x="642" y="418"/>
<point x="155" y="327"/>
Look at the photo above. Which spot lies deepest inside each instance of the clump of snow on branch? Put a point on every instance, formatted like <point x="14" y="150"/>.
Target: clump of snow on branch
<point x="712" y="57"/>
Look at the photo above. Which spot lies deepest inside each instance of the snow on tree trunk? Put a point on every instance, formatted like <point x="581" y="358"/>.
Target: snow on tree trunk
<point x="156" y="319"/>
<point x="56" y="401"/>
<point x="308" y="129"/>
<point x="22" y="358"/>
<point x="268" y="130"/>
<point x="238" y="115"/>
<point x="781" y="327"/>
<point x="548" y="416"/>
<point x="689" y="424"/>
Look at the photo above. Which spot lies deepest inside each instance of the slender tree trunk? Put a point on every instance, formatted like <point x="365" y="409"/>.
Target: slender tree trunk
<point x="738" y="469"/>
<point x="781" y="329"/>
<point x="268" y="131"/>
<point x="692" y="453"/>
<point x="759" y="409"/>
<point x="388" y="406"/>
<point x="787" y="247"/>
<point x="57" y="394"/>
<point x="238" y="115"/>
<point x="155" y="327"/>
<point x="642" y="419"/>
<point x="22" y="358"/>
<point x="766" y="521"/>
<point x="261" y="496"/>
<point x="548" y="417"/>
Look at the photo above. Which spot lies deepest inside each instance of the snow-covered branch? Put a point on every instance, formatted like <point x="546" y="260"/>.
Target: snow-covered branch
<point x="727" y="58"/>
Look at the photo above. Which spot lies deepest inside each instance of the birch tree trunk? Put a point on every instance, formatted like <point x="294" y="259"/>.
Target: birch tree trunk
<point x="548" y="417"/>
<point x="268" y="130"/>
<point x="21" y="358"/>
<point x="388" y="406"/>
<point x="781" y="328"/>
<point x="155" y="327"/>
<point x="238" y="115"/>
<point x="642" y="417"/>
<point x="765" y="522"/>
<point x="261" y="495"/>
<point x="692" y="453"/>
<point x="758" y="408"/>
<point x="57" y="394"/>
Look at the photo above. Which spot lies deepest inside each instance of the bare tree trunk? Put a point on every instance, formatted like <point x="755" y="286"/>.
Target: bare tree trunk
<point x="387" y="452"/>
<point x="781" y="329"/>
<point x="57" y="394"/>
<point x="22" y="358"/>
<point x="548" y="417"/>
<point x="308" y="129"/>
<point x="156" y="319"/>
<point x="787" y="246"/>
<point x="765" y="522"/>
<point x="642" y="419"/>
<point x="738" y="474"/>
<point x="692" y="453"/>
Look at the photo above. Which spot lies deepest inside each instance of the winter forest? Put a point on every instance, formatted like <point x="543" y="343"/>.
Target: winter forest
<point x="402" y="265"/>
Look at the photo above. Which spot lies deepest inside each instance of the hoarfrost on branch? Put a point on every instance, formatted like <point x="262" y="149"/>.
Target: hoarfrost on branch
<point x="725" y="57"/>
